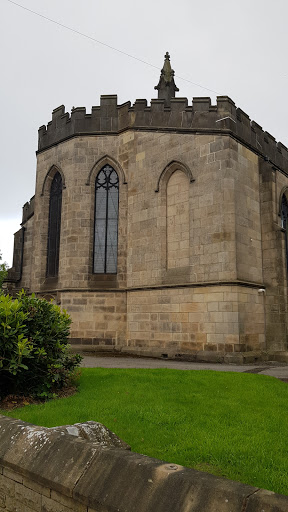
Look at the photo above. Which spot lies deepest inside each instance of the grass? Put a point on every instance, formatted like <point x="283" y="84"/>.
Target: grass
<point x="229" y="424"/>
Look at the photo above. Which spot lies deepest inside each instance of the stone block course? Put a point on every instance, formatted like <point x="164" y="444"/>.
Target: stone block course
<point x="218" y="328"/>
<point x="28" y="497"/>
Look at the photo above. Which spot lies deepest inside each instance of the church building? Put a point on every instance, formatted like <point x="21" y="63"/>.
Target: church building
<point x="160" y="228"/>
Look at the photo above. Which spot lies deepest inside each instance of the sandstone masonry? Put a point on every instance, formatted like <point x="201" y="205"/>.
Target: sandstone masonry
<point x="201" y="242"/>
<point x="60" y="470"/>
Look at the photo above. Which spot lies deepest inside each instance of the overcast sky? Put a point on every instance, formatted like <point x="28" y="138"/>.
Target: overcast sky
<point x="235" y="48"/>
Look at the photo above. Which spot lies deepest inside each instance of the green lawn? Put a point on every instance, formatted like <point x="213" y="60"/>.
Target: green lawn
<point x="229" y="424"/>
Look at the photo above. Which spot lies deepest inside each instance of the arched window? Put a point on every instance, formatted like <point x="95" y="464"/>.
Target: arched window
<point x="284" y="222"/>
<point x="106" y="221"/>
<point x="284" y="212"/>
<point x="54" y="226"/>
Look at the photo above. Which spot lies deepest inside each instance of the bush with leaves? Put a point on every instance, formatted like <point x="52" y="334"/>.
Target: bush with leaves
<point x="34" y="357"/>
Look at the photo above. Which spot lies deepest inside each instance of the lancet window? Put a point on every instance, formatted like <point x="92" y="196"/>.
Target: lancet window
<point x="54" y="226"/>
<point x="106" y="221"/>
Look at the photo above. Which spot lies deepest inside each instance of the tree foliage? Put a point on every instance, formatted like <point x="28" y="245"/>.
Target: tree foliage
<point x="3" y="271"/>
<point x="34" y="355"/>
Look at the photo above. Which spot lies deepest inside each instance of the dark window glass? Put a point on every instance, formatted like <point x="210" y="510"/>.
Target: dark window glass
<point x="284" y="217"/>
<point x="106" y="221"/>
<point x="54" y="226"/>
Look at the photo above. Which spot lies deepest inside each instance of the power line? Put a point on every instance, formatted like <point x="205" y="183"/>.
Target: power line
<point x="103" y="44"/>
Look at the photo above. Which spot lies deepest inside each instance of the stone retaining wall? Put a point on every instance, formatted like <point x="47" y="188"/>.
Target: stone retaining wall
<point x="54" y="470"/>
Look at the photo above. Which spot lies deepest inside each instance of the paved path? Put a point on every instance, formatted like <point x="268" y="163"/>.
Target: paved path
<point x="274" y="369"/>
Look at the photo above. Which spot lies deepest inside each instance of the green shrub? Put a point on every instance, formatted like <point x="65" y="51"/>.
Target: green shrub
<point x="3" y="271"/>
<point x="33" y="346"/>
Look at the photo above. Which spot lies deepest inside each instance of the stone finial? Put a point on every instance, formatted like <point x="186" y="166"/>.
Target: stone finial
<point x="166" y="86"/>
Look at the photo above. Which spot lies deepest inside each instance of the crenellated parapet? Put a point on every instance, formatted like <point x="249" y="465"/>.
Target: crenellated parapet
<point x="201" y="117"/>
<point x="28" y="210"/>
<point x="106" y="118"/>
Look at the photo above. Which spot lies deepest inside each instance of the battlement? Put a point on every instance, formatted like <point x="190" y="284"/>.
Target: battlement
<point x="28" y="210"/>
<point x="201" y="116"/>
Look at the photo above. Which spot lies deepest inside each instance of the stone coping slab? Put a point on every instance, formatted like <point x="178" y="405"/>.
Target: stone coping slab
<point x="110" y="479"/>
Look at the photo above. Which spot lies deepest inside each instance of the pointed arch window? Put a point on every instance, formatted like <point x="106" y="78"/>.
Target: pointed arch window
<point x="106" y="221"/>
<point x="284" y="222"/>
<point x="54" y="226"/>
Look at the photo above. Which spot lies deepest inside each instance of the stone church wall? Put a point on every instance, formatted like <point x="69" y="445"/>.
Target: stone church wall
<point x="27" y="253"/>
<point x="272" y="185"/>
<point x="196" y="320"/>
<point x="99" y="318"/>
<point x="199" y="197"/>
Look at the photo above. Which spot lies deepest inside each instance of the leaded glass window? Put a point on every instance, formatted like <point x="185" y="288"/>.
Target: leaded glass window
<point x="284" y="212"/>
<point x="106" y="221"/>
<point x="284" y="222"/>
<point x="54" y="226"/>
